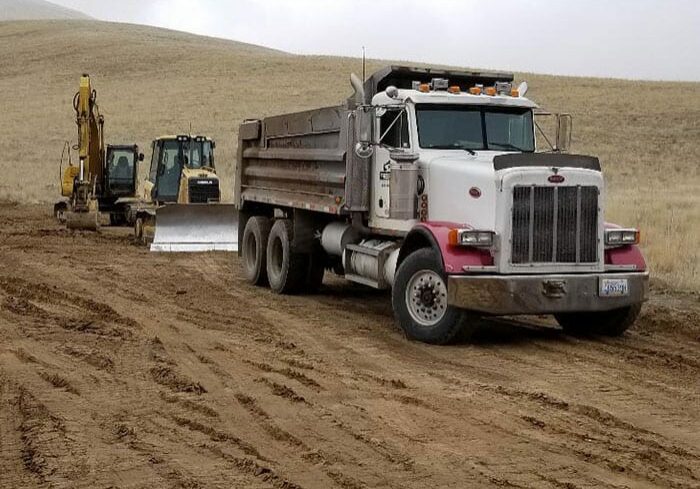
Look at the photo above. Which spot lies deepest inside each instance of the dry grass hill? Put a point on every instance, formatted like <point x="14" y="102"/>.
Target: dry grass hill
<point x="36" y="9"/>
<point x="152" y="81"/>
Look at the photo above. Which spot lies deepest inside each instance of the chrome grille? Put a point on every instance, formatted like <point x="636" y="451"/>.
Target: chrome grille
<point x="555" y="224"/>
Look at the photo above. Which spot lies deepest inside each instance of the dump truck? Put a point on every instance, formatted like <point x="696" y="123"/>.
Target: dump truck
<point x="430" y="183"/>
<point x="104" y="178"/>
<point x="180" y="209"/>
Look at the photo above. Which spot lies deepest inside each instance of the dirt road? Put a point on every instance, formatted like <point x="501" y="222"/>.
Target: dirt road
<point x="119" y="368"/>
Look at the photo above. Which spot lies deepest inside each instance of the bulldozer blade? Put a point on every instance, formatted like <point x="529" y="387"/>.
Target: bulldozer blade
<point x="196" y="228"/>
<point x="85" y="221"/>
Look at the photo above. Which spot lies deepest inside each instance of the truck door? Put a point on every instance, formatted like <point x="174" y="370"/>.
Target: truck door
<point x="393" y="132"/>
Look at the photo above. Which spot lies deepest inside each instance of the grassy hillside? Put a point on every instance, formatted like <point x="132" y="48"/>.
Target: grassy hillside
<point x="36" y="9"/>
<point x="153" y="81"/>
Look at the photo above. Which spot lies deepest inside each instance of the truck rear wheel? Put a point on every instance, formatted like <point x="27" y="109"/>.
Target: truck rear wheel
<point x="254" y="249"/>
<point x="419" y="299"/>
<point x="608" y="323"/>
<point x="287" y="272"/>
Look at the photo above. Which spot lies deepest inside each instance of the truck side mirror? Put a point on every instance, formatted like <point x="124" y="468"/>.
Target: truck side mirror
<point x="364" y="123"/>
<point x="564" y="127"/>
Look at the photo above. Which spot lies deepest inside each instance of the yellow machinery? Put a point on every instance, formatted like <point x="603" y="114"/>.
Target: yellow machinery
<point x="181" y="208"/>
<point x="104" y="180"/>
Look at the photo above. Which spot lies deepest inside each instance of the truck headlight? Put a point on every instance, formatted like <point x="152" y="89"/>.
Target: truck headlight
<point x="469" y="237"/>
<point x="621" y="237"/>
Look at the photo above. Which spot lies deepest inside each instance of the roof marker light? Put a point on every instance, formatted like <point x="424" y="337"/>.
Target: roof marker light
<point x="454" y="89"/>
<point x="475" y="90"/>
<point x="490" y="91"/>
<point x="424" y="87"/>
<point x="515" y="93"/>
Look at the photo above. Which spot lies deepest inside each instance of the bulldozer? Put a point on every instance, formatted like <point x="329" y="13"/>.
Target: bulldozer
<point x="104" y="179"/>
<point x="180" y="209"/>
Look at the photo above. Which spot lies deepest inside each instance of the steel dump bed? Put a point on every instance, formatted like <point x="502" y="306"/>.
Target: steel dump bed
<point x="301" y="161"/>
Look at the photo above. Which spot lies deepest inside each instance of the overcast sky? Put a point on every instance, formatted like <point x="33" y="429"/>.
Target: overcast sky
<point x="646" y="39"/>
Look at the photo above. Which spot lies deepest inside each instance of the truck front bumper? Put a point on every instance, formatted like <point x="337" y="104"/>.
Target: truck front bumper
<point x="542" y="294"/>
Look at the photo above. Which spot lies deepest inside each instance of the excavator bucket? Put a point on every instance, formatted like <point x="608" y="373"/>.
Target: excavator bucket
<point x="196" y="228"/>
<point x="83" y="221"/>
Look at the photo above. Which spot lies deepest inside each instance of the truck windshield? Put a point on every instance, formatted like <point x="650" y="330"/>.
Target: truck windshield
<point x="475" y="128"/>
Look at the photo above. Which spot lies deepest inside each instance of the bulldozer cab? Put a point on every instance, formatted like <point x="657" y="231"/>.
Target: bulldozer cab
<point x="121" y="170"/>
<point x="172" y="155"/>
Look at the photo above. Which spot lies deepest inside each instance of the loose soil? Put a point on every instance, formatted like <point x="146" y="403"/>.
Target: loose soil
<point x="122" y="368"/>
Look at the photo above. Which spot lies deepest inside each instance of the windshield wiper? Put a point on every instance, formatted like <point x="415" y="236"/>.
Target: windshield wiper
<point x="507" y="146"/>
<point x="452" y="146"/>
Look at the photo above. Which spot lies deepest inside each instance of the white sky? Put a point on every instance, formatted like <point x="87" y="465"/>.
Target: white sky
<point x="645" y="39"/>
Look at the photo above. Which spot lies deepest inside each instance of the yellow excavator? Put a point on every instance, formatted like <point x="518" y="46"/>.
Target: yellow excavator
<point x="180" y="208"/>
<point x="104" y="179"/>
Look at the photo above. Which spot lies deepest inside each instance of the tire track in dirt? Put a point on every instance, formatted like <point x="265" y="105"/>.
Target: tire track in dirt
<point x="318" y="391"/>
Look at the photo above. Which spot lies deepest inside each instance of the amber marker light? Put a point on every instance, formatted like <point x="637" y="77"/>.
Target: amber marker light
<point x="475" y="90"/>
<point x="454" y="89"/>
<point x="490" y="91"/>
<point x="515" y="93"/>
<point x="453" y="237"/>
<point x="424" y="87"/>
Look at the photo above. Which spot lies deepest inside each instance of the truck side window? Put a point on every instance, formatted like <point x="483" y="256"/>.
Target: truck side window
<point x="393" y="128"/>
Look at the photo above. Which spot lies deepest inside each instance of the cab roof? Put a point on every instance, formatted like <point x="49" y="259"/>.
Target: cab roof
<point x="180" y="136"/>
<point x="462" y="98"/>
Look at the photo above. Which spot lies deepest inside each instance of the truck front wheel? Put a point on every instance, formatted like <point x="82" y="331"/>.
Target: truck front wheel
<point x="607" y="323"/>
<point x="287" y="271"/>
<point x="419" y="299"/>
<point x="254" y="249"/>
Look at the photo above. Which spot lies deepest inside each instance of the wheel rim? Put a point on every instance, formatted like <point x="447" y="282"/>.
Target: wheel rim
<point x="426" y="298"/>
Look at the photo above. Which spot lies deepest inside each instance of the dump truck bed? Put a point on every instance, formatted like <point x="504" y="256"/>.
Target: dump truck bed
<point x="302" y="160"/>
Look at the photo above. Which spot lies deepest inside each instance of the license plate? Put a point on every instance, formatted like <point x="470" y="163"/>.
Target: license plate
<point x="614" y="287"/>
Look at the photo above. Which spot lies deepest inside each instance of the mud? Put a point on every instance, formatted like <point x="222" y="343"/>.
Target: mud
<point x="120" y="368"/>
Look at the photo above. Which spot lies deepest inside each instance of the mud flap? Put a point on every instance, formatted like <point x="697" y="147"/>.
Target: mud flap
<point x="196" y="228"/>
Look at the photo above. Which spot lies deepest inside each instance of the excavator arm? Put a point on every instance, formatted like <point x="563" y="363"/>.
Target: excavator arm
<point x="83" y="183"/>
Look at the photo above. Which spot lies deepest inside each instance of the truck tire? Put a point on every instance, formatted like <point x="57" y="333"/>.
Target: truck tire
<point x="287" y="272"/>
<point x="254" y="250"/>
<point x="608" y="323"/>
<point x="419" y="299"/>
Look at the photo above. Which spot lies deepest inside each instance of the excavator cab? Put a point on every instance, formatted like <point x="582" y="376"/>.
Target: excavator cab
<point x="121" y="171"/>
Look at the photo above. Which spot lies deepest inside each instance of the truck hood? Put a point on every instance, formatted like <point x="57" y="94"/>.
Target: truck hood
<point x="461" y="187"/>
